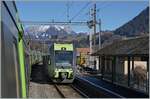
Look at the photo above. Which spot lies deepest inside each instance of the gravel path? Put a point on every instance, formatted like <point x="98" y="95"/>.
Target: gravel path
<point x="37" y="90"/>
<point x="40" y="86"/>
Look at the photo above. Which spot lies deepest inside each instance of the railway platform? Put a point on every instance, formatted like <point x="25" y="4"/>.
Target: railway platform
<point x="106" y="89"/>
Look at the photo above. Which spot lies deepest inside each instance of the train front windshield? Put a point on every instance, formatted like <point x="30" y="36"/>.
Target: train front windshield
<point x="64" y="58"/>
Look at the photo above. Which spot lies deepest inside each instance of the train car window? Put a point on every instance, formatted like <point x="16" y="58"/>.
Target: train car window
<point x="64" y="58"/>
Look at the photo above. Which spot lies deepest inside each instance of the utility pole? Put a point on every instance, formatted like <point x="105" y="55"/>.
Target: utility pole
<point x="94" y="34"/>
<point x="99" y="33"/>
<point x="94" y="27"/>
<point x="92" y="24"/>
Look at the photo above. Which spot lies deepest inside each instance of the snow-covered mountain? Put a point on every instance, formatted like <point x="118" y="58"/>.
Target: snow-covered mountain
<point x="48" y="31"/>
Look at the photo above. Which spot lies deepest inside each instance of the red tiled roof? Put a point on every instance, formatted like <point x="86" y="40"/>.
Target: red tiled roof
<point x="83" y="50"/>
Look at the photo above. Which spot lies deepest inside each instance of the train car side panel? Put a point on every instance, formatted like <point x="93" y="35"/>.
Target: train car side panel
<point x="10" y="81"/>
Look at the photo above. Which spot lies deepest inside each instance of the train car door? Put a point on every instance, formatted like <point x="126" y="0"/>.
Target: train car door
<point x="17" y="69"/>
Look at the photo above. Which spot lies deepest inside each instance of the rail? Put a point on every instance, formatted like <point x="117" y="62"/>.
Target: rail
<point x="59" y="91"/>
<point x="94" y="91"/>
<point x="96" y="88"/>
<point x="68" y="91"/>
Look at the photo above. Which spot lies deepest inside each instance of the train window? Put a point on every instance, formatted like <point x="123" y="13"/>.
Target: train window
<point x="64" y="58"/>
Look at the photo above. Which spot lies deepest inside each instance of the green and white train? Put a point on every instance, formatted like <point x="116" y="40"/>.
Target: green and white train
<point x="60" y="63"/>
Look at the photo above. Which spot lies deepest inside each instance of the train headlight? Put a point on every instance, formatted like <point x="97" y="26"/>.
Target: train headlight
<point x="56" y="74"/>
<point x="71" y="75"/>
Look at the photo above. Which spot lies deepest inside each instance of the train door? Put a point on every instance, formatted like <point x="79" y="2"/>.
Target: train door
<point x="17" y="69"/>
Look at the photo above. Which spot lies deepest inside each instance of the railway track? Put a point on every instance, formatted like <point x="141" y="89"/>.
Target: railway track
<point x="38" y="90"/>
<point x="93" y="90"/>
<point x="68" y="91"/>
<point x="42" y="87"/>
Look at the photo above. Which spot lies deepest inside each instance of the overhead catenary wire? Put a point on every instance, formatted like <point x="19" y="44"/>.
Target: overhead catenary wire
<point x="104" y="5"/>
<point x="54" y="23"/>
<point x="68" y="7"/>
<point x="85" y="6"/>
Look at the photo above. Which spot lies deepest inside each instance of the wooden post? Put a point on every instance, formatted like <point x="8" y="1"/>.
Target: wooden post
<point x="148" y="64"/>
<point x="147" y="82"/>
<point x="132" y="63"/>
<point x="99" y="62"/>
<point x="105" y="67"/>
<point x="102" y="67"/>
<point x="128" y="71"/>
<point x="113" y="69"/>
<point x="132" y="75"/>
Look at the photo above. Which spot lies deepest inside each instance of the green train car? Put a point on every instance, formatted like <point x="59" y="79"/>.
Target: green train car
<point x="16" y="58"/>
<point x="60" y="63"/>
<point x="36" y="56"/>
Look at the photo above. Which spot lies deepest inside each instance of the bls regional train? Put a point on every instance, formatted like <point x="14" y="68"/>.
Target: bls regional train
<point x="16" y="59"/>
<point x="60" y="63"/>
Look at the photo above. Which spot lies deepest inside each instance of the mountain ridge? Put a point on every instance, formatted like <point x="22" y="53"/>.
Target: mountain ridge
<point x="137" y="26"/>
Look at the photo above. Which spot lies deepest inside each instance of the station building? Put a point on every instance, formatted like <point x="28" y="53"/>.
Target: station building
<point x="126" y="63"/>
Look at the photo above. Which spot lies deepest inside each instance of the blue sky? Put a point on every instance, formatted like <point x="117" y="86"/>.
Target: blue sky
<point x="112" y="13"/>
